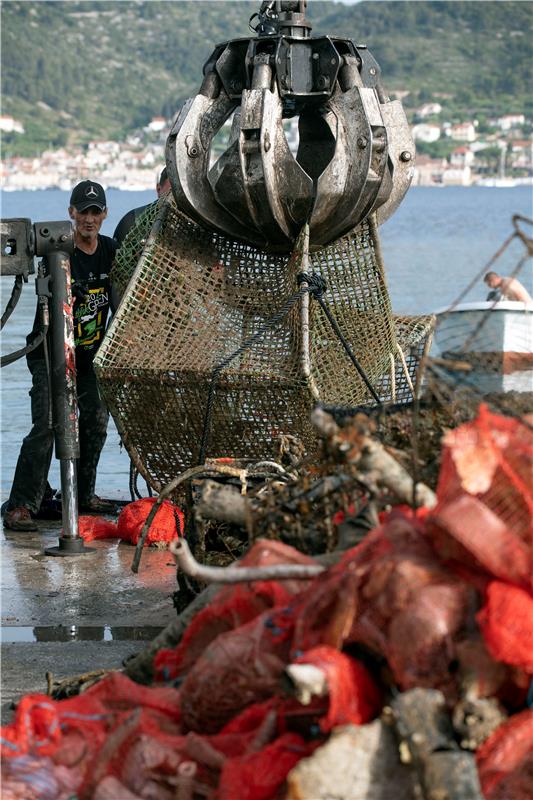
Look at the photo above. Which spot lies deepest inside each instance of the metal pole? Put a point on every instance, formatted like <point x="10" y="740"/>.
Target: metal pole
<point x="64" y="399"/>
<point x="69" y="498"/>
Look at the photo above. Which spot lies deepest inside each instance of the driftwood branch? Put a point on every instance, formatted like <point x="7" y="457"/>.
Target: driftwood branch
<point x="354" y="445"/>
<point x="223" y="503"/>
<point x="232" y="574"/>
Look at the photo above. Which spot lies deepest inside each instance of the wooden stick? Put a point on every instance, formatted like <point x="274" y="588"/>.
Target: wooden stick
<point x="223" y="503"/>
<point x="278" y="572"/>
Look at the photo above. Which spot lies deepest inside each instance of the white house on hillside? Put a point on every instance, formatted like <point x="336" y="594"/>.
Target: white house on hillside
<point x="462" y="132"/>
<point x="428" y="110"/>
<point x="10" y="125"/>
<point x="424" y="132"/>
<point x="462" y="157"/>
<point x="509" y="121"/>
<point x="157" y="124"/>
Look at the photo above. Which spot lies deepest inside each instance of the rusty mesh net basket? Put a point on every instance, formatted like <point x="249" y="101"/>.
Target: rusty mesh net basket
<point x="217" y="348"/>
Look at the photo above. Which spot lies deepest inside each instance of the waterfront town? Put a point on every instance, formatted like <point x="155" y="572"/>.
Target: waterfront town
<point x="495" y="152"/>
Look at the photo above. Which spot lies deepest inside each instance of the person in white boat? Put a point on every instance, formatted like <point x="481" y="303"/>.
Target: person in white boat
<point x="506" y="288"/>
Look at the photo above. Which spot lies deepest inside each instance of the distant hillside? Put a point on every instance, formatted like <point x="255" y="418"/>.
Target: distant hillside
<point x="73" y="71"/>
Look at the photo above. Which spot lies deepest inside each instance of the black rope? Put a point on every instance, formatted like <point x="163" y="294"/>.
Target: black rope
<point x="317" y="287"/>
<point x="13" y="300"/>
<point x="12" y="357"/>
<point x="223" y="364"/>
<point x="132" y="481"/>
<point x="133" y="484"/>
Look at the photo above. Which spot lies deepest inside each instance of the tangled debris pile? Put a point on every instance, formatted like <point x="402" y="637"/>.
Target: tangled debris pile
<point x="421" y="634"/>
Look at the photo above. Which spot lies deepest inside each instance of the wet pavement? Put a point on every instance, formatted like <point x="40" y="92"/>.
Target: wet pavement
<point x="71" y="615"/>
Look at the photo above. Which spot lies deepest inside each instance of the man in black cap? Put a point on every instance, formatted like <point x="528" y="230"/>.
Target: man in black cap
<point x="90" y="267"/>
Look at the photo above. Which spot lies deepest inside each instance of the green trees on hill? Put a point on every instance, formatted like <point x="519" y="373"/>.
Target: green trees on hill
<point x="77" y="70"/>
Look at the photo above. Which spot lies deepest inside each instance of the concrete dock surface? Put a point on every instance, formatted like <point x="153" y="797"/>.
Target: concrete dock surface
<point x="72" y="615"/>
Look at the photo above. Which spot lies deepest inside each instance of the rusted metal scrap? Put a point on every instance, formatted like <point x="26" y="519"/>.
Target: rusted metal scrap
<point x="427" y="741"/>
<point x="355" y="472"/>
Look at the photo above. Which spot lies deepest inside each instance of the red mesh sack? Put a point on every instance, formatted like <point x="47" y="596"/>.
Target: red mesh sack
<point x="421" y="637"/>
<point x="472" y="539"/>
<point x="485" y="494"/>
<point x="35" y="728"/>
<point x="239" y="668"/>
<point x="75" y="729"/>
<point x="91" y="528"/>
<point x="370" y="596"/>
<point x="506" y="622"/>
<point x="233" y="606"/>
<point x="353" y="696"/>
<point x="259" y="776"/>
<point x="164" y="526"/>
<point x="504" y="760"/>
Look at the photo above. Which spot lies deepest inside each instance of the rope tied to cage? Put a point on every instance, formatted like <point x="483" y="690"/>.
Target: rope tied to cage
<point x="315" y="283"/>
<point x="316" y="286"/>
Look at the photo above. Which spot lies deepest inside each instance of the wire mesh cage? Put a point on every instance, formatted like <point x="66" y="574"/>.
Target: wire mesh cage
<point x="217" y="348"/>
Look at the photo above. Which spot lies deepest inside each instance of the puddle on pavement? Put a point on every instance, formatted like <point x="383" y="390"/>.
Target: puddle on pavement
<point x="11" y="634"/>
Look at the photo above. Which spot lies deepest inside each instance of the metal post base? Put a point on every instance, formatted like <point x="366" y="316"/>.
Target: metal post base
<point x="69" y="547"/>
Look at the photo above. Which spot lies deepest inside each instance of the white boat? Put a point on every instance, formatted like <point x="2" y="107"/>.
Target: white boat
<point x="494" y="342"/>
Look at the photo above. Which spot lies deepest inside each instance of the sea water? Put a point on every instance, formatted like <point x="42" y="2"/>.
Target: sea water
<point x="433" y="246"/>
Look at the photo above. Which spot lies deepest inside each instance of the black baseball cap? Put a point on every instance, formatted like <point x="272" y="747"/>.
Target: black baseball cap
<point x="87" y="194"/>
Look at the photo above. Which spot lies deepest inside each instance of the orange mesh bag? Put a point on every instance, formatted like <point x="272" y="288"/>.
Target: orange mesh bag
<point x="91" y="528"/>
<point x="374" y="594"/>
<point x="485" y="494"/>
<point x="353" y="696"/>
<point x="237" y="669"/>
<point x="504" y="760"/>
<point x="41" y="724"/>
<point x="233" y="606"/>
<point x="165" y="525"/>
<point x="506" y="622"/>
<point x="259" y="776"/>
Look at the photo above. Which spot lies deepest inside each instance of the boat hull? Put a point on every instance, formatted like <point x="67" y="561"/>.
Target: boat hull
<point x="494" y="340"/>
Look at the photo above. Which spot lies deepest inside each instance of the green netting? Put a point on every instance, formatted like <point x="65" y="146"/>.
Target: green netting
<point x="196" y="298"/>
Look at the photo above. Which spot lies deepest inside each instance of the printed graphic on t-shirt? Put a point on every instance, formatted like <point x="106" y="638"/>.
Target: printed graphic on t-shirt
<point x="90" y="318"/>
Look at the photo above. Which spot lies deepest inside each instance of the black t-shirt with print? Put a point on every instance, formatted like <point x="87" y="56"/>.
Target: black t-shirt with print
<point x="91" y="294"/>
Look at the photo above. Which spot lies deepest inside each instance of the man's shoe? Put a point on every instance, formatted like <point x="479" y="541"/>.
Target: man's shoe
<point x="19" y="519"/>
<point x="98" y="505"/>
<point x="49" y="509"/>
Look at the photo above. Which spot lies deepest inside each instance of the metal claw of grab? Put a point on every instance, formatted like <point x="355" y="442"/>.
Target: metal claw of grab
<point x="355" y="153"/>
